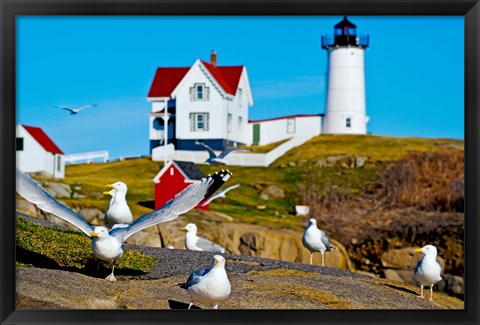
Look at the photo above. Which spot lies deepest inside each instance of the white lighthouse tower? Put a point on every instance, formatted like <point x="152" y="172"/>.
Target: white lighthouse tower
<point x="346" y="104"/>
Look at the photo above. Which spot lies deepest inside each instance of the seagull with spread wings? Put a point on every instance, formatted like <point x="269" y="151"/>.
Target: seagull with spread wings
<point x="213" y="159"/>
<point x="108" y="244"/>
<point x="74" y="111"/>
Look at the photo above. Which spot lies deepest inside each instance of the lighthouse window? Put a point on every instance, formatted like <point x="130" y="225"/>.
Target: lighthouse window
<point x="348" y="123"/>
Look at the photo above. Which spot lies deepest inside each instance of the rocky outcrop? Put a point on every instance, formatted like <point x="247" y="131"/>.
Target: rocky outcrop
<point x="344" y="161"/>
<point x="255" y="281"/>
<point x="272" y="192"/>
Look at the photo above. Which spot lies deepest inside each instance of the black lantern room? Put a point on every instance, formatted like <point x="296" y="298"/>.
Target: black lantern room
<point x="345" y="34"/>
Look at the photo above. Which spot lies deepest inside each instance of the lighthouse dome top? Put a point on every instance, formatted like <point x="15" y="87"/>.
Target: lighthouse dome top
<point x="345" y="34"/>
<point x="345" y="23"/>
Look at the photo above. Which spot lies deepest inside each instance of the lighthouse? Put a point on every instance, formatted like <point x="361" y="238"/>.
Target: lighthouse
<point x="346" y="103"/>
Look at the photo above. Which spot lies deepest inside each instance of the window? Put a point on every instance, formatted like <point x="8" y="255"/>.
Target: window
<point x="348" y="122"/>
<point x="290" y="125"/>
<point x="239" y="100"/>
<point x="240" y="121"/>
<point x="229" y="123"/>
<point x="199" y="92"/>
<point x="199" y="121"/>
<point x="59" y="163"/>
<point x="19" y="144"/>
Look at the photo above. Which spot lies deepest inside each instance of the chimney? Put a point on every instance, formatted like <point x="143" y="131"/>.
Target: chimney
<point x="213" y="58"/>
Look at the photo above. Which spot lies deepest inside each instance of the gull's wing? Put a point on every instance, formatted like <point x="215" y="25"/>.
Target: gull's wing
<point x="226" y="151"/>
<point x="33" y="192"/>
<point x="67" y="108"/>
<point x="86" y="106"/>
<point x="210" y="150"/>
<point x="324" y="239"/>
<point x="219" y="178"/>
<point x="229" y="188"/>
<point x="195" y="277"/>
<point x="209" y="246"/>
<point x="219" y="194"/>
<point x="181" y="203"/>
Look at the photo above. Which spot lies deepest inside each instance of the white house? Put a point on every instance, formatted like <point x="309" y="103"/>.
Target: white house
<point x="35" y="152"/>
<point x="204" y="102"/>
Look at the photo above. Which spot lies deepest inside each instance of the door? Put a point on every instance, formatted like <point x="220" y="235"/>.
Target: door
<point x="256" y="133"/>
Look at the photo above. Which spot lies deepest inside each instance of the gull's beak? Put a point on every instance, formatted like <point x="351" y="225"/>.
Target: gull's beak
<point x="417" y="250"/>
<point x="106" y="193"/>
<point x="183" y="228"/>
<point x="93" y="234"/>
<point x="109" y="186"/>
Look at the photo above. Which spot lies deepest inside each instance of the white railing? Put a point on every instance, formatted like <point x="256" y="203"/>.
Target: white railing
<point x="234" y="158"/>
<point x="86" y="157"/>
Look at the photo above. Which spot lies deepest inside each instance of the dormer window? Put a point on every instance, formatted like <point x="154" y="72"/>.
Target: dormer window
<point x="199" y="92"/>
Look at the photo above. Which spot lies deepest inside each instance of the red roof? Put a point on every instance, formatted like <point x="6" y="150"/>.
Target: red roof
<point x="167" y="79"/>
<point x="43" y="139"/>
<point x="228" y="76"/>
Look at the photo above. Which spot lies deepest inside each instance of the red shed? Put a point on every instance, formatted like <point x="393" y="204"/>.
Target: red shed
<point x="173" y="178"/>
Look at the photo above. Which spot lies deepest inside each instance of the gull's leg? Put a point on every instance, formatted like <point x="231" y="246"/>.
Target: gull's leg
<point x="191" y="303"/>
<point x="111" y="277"/>
<point x="431" y="293"/>
<point x="421" y="292"/>
<point x="323" y="258"/>
<point x="311" y="258"/>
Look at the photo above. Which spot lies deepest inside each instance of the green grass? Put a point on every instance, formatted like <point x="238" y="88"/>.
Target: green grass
<point x="68" y="249"/>
<point x="241" y="203"/>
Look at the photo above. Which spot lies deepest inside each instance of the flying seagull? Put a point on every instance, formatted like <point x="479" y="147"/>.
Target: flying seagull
<point x="108" y="244"/>
<point x="219" y="194"/>
<point x="209" y="286"/>
<point x="74" y="111"/>
<point x="118" y="210"/>
<point x="195" y="243"/>
<point x="315" y="240"/>
<point x="213" y="159"/>
<point x="428" y="270"/>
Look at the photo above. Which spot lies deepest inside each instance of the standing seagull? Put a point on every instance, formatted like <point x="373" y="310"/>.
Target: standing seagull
<point x="219" y="194"/>
<point x="195" y="243"/>
<point x="107" y="244"/>
<point x="428" y="270"/>
<point x="209" y="286"/>
<point x="213" y="159"/>
<point x="118" y="211"/>
<point x="74" y="111"/>
<point x="315" y="240"/>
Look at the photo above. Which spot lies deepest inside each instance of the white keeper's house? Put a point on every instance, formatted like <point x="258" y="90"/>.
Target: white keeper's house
<point x="36" y="152"/>
<point x="210" y="103"/>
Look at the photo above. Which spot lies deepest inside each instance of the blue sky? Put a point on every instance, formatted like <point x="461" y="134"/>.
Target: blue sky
<point x="414" y="72"/>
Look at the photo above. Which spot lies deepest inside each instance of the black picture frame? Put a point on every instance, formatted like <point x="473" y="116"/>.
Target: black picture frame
<point x="470" y="9"/>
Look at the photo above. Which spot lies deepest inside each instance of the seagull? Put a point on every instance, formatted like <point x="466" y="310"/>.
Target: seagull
<point x="209" y="286"/>
<point x="74" y="111"/>
<point x="108" y="244"/>
<point x="118" y="210"/>
<point x="219" y="194"/>
<point x="213" y="159"/>
<point x="315" y="240"/>
<point x="428" y="270"/>
<point x="195" y="243"/>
